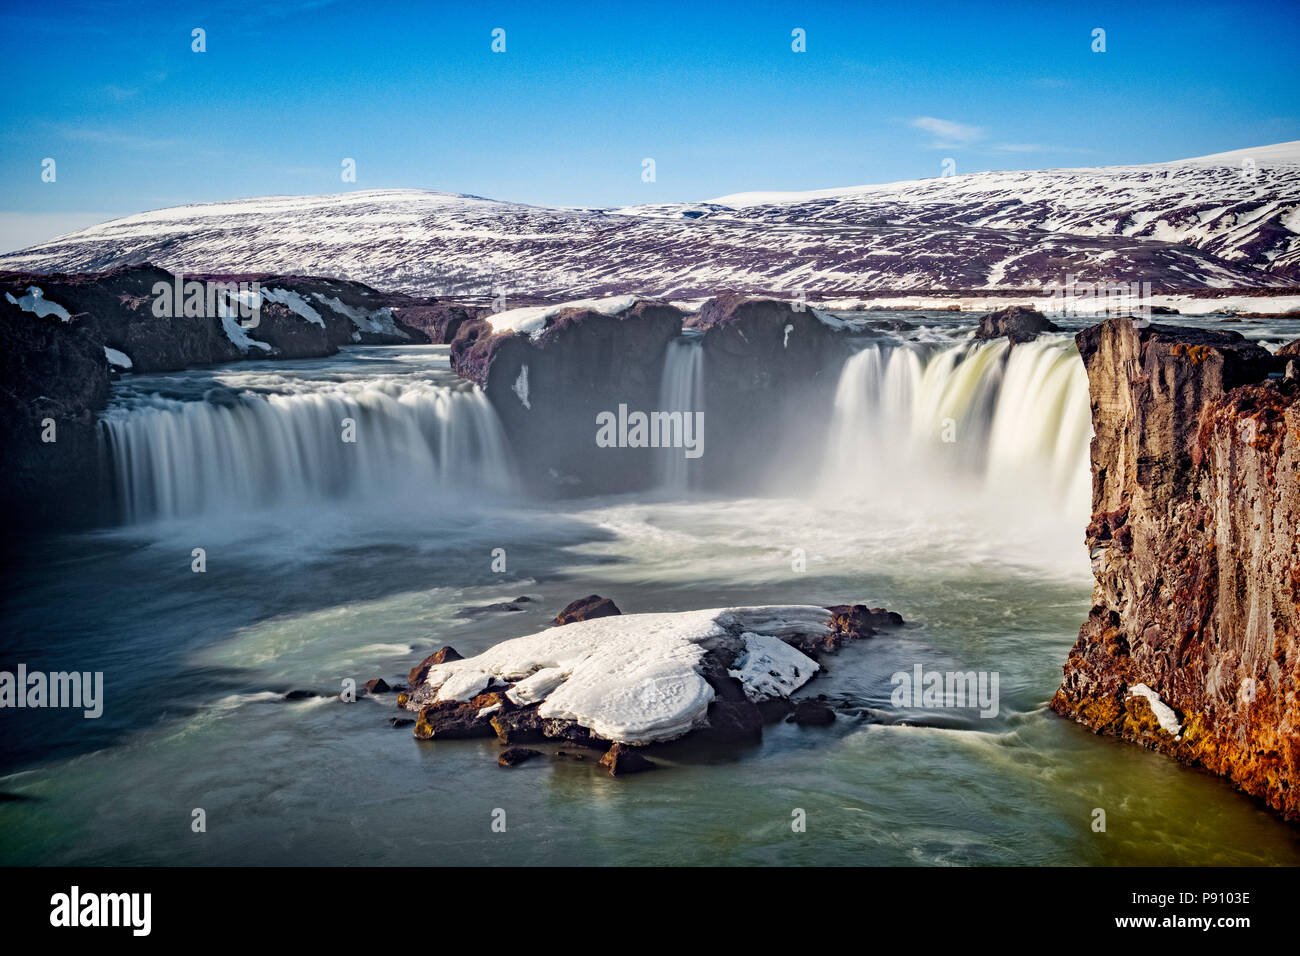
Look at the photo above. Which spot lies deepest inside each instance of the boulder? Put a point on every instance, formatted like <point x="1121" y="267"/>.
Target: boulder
<point x="514" y="756"/>
<point x="1017" y="323"/>
<point x="813" y="713"/>
<point x="517" y="724"/>
<point x="441" y="656"/>
<point x="459" y="718"/>
<point x="621" y="760"/>
<point x="586" y="609"/>
<point x="735" y="721"/>
<point x="377" y="686"/>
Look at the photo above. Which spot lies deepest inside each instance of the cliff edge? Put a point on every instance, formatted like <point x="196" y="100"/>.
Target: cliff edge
<point x="1192" y="646"/>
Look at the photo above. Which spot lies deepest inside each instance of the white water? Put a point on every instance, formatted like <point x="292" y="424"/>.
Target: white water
<point x="968" y="418"/>
<point x="681" y="390"/>
<point x="413" y="441"/>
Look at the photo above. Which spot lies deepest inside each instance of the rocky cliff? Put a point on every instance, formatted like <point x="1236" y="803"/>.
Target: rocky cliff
<point x="1192" y="646"/>
<point x="64" y="337"/>
<point x="549" y="385"/>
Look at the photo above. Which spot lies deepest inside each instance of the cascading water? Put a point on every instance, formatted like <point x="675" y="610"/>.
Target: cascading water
<point x="681" y="390"/>
<point x="240" y="451"/>
<point x="1013" y="425"/>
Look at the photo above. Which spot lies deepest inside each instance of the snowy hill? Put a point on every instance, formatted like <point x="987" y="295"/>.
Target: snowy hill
<point x="1226" y="220"/>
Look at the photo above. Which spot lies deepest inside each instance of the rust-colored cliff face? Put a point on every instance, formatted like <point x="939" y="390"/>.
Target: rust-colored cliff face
<point x="1195" y="548"/>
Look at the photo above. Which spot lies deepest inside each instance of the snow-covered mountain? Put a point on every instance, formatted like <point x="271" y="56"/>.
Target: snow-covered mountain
<point x="1232" y="219"/>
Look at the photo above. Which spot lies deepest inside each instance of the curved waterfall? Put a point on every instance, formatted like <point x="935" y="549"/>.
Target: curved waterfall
<point x="681" y="390"/>
<point x="1015" y="425"/>
<point x="408" y="442"/>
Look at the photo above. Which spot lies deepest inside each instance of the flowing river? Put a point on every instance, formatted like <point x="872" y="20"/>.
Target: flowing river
<point x="953" y="488"/>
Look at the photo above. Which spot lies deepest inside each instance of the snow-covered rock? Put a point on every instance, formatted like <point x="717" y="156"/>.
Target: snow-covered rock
<point x="633" y="678"/>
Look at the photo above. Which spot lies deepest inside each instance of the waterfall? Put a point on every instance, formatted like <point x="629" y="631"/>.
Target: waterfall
<point x="1011" y="422"/>
<point x="244" y="451"/>
<point x="681" y="390"/>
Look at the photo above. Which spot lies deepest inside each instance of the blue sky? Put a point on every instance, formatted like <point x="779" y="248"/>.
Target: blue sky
<point x="584" y="92"/>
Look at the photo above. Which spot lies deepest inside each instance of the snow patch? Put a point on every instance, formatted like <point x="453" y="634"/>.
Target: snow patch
<point x="520" y="388"/>
<point x="636" y="678"/>
<point x="34" y="301"/>
<point x="769" y="667"/>
<point x="296" y="304"/>
<point x="1164" y="713"/>
<point x="238" y="335"/>
<point x="116" y="358"/>
<point x="378" y="321"/>
<point x="531" y="320"/>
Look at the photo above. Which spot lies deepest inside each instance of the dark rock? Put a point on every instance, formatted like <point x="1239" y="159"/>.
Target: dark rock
<point x="735" y="721"/>
<point x="516" y="755"/>
<point x="582" y="364"/>
<point x="621" y="760"/>
<point x="586" y="609"/>
<point x="50" y="371"/>
<point x="441" y="656"/>
<point x="1016" y="322"/>
<point x="813" y="713"/>
<point x="775" y="708"/>
<point x="458" y="718"/>
<point x="440" y="321"/>
<point x="517" y="724"/>
<point x="300" y="694"/>
<point x="401" y="721"/>
<point x="377" y="686"/>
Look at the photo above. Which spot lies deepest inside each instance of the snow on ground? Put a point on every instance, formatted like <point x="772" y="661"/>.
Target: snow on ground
<point x="1164" y="713"/>
<point x="35" y="301"/>
<point x="296" y="303"/>
<point x="636" y="678"/>
<point x="236" y="333"/>
<point x="531" y="320"/>
<point x="1185" y="304"/>
<point x="379" y="321"/>
<point x="769" y="667"/>
<point x="116" y="358"/>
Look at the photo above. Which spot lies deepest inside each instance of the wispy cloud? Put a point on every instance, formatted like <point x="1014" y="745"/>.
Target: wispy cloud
<point x="103" y="137"/>
<point x="952" y="135"/>
<point x="948" y="133"/>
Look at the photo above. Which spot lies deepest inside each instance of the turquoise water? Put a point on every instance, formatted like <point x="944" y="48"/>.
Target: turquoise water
<point x="306" y="596"/>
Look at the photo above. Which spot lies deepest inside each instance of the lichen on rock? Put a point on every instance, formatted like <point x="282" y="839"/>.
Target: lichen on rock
<point x="1195" y="545"/>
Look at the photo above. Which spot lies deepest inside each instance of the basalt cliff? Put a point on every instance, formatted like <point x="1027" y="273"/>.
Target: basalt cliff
<point x="1192" y="647"/>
